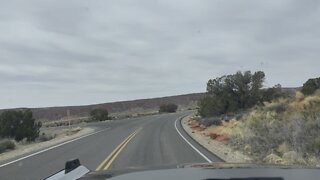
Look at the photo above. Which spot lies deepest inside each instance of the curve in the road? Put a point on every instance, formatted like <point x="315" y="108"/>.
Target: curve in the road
<point x="192" y="146"/>
<point x="157" y="145"/>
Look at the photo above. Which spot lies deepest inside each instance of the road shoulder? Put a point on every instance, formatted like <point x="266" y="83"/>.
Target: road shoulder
<point x="34" y="147"/>
<point x="217" y="148"/>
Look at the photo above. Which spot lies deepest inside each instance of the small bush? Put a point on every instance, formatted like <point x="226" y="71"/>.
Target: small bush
<point x="283" y="148"/>
<point x="278" y="107"/>
<point x="210" y="107"/>
<point x="314" y="147"/>
<point x="19" y="124"/>
<point x="99" y="114"/>
<point x="169" y="108"/>
<point x="273" y="93"/>
<point x="299" y="96"/>
<point x="45" y="137"/>
<point x="6" y="145"/>
<point x="211" y="121"/>
<point x="310" y="86"/>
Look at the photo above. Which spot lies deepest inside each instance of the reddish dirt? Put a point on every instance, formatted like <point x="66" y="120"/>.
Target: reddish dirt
<point x="212" y="133"/>
<point x="194" y="125"/>
<point x="223" y="138"/>
<point x="219" y="137"/>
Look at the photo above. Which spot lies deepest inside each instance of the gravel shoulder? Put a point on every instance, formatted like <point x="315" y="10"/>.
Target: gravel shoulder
<point x="62" y="136"/>
<point x="221" y="150"/>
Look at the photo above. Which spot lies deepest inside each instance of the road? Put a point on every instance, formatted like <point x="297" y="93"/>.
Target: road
<point x="139" y="142"/>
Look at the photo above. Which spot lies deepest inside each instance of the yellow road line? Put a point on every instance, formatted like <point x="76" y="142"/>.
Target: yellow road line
<point x="122" y="147"/>
<point x="114" y="151"/>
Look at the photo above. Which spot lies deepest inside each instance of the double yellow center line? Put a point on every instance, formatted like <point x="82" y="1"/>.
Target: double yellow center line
<point x="108" y="161"/>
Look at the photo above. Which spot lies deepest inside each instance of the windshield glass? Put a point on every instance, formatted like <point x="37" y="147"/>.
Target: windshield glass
<point x="128" y="85"/>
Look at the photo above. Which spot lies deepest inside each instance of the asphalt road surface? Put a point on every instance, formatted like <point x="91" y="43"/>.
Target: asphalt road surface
<point x="138" y="142"/>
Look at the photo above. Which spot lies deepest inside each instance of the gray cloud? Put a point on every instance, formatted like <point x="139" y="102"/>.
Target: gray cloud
<point x="82" y="52"/>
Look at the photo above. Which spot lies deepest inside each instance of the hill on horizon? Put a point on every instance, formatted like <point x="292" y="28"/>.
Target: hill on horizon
<point x="120" y="108"/>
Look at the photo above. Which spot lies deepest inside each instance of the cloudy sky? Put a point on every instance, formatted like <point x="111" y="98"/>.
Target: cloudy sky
<point x="74" y="52"/>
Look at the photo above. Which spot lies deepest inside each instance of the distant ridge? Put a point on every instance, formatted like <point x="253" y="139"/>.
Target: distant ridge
<point x="126" y="108"/>
<point x="122" y="107"/>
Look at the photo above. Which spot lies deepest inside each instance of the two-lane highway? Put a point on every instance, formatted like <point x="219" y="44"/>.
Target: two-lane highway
<point x="139" y="142"/>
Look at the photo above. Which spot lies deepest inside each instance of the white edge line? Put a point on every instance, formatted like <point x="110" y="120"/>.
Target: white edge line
<point x="52" y="147"/>
<point x="200" y="153"/>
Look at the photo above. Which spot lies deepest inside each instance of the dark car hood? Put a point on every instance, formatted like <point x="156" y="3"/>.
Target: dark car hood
<point x="206" y="171"/>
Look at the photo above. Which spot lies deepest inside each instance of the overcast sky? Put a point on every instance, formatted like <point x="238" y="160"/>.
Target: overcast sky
<point x="74" y="52"/>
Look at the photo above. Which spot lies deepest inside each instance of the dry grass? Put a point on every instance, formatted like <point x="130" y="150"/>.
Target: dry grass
<point x="283" y="148"/>
<point x="287" y="128"/>
<point x="6" y="144"/>
<point x="279" y="127"/>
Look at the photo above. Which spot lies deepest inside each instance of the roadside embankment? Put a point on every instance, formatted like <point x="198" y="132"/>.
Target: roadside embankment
<point x="284" y="131"/>
<point x="217" y="147"/>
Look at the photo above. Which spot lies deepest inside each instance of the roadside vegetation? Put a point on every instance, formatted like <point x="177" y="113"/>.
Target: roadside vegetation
<point x="269" y="125"/>
<point x="46" y="137"/>
<point x="232" y="93"/>
<point x="66" y="122"/>
<point x="15" y="126"/>
<point x="284" y="131"/>
<point x="99" y="115"/>
<point x="6" y="145"/>
<point x="19" y="128"/>
<point x="168" y="108"/>
<point x="311" y="86"/>
<point x="19" y="124"/>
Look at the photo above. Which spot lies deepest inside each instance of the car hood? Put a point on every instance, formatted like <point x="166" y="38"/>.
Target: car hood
<point x="205" y="171"/>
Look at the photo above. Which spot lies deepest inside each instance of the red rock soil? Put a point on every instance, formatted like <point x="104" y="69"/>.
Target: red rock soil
<point x="213" y="133"/>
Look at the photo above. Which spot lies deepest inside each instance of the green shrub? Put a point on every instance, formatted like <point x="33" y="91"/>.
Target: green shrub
<point x="209" y="107"/>
<point x="275" y="92"/>
<point x="311" y="86"/>
<point x="233" y="92"/>
<point x="211" y="121"/>
<point x="314" y="147"/>
<point x="19" y="124"/>
<point x="99" y="114"/>
<point x="6" y="145"/>
<point x="169" y="108"/>
<point x="278" y="107"/>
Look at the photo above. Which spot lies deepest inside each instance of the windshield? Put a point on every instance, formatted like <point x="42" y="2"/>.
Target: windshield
<point x="128" y="85"/>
